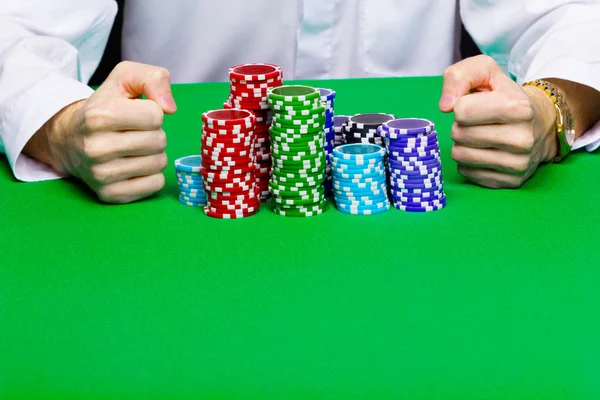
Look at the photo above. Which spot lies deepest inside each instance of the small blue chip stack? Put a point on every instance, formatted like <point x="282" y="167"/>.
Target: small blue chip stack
<point x="328" y="98"/>
<point x="359" y="179"/>
<point x="415" y="165"/>
<point x="189" y="180"/>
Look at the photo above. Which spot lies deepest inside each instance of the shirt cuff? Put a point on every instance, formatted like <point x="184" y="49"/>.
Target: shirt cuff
<point x="26" y="115"/>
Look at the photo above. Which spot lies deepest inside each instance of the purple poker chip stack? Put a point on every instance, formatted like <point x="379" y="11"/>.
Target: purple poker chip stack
<point x="414" y="164"/>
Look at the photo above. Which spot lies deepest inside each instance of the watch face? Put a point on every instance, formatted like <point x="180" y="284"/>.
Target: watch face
<point x="568" y="125"/>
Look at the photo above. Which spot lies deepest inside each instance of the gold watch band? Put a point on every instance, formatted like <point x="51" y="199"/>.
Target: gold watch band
<point x="565" y="124"/>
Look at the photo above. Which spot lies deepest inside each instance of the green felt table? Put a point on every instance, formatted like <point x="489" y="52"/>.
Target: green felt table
<point x="494" y="297"/>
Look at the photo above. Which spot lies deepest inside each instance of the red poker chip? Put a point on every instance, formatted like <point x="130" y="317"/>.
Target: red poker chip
<point x="231" y="117"/>
<point x="255" y="72"/>
<point x="236" y="205"/>
<point x="254" y="85"/>
<point x="214" y="141"/>
<point x="235" y="208"/>
<point x="221" y="156"/>
<point x="212" y="163"/>
<point x="229" y="187"/>
<point x="249" y="105"/>
<point x="227" y="215"/>
<point x="230" y="169"/>
<point x="257" y="84"/>
<point x="229" y="132"/>
<point x="222" y="175"/>
<point x="262" y="157"/>
<point x="227" y="151"/>
<point x="235" y="179"/>
<point x="232" y="197"/>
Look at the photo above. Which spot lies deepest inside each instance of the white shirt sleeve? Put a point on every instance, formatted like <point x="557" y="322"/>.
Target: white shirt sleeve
<point x="48" y="52"/>
<point x="535" y="39"/>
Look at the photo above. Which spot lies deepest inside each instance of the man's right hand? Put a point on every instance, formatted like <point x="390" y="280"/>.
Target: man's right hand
<point x="113" y="141"/>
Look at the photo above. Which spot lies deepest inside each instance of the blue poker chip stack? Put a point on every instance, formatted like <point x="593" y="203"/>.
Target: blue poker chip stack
<point x="338" y="126"/>
<point x="328" y="97"/>
<point x="189" y="180"/>
<point x="359" y="179"/>
<point x="415" y="166"/>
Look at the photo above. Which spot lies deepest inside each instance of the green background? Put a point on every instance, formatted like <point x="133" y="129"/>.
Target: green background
<point x="494" y="297"/>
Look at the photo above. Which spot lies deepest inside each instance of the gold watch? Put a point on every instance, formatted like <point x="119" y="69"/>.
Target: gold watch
<point x="565" y="124"/>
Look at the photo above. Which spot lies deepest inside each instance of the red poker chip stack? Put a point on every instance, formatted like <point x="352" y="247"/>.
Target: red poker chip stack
<point x="228" y="163"/>
<point x="249" y="84"/>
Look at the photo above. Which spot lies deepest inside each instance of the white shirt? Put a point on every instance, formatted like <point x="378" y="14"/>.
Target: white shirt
<point x="50" y="49"/>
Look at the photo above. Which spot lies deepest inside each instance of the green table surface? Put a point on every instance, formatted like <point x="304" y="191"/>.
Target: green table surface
<point x="494" y="297"/>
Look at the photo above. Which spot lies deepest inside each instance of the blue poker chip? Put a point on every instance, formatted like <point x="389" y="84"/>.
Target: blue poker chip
<point x="342" y="176"/>
<point x="188" y="193"/>
<point x="364" y="212"/>
<point x="359" y="207"/>
<point x="184" y="186"/>
<point x="189" y="163"/>
<point x="359" y="152"/>
<point x="371" y="201"/>
<point x="190" y="203"/>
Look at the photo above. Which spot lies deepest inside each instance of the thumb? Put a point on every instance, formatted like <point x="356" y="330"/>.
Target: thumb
<point x="480" y="72"/>
<point x="131" y="80"/>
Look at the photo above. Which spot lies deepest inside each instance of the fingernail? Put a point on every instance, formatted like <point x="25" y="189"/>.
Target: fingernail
<point x="447" y="101"/>
<point x="168" y="103"/>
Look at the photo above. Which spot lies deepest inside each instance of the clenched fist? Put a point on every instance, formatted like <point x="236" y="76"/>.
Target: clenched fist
<point x="503" y="132"/>
<point x="113" y="141"/>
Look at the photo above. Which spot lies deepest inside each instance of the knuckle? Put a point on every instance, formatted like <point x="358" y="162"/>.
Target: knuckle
<point x="456" y="153"/>
<point x="100" y="173"/>
<point x="92" y="149"/>
<point x="95" y="117"/>
<point x="456" y="134"/>
<point x="453" y="72"/>
<point x="159" y="73"/>
<point x="155" y="115"/>
<point x="526" y="142"/>
<point x="162" y="161"/>
<point x="461" y="112"/>
<point x="520" y="109"/>
<point x="161" y="140"/>
<point x="520" y="166"/>
<point x="124" y="66"/>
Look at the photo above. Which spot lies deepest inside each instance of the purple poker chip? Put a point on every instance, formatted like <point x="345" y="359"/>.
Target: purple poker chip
<point x="432" y="137"/>
<point x="402" y="184"/>
<point x="414" y="164"/>
<point x="412" y="178"/>
<point x="412" y="149"/>
<point x="415" y="170"/>
<point x="419" y="209"/>
<point x="408" y="191"/>
<point x="442" y="201"/>
<point x="407" y="126"/>
<point x="415" y="158"/>
<point x="416" y="199"/>
<point x="415" y="153"/>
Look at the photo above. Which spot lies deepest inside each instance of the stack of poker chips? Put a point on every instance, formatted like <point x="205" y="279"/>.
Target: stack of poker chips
<point x="415" y="167"/>
<point x="338" y="125"/>
<point x="228" y="167"/>
<point x="362" y="128"/>
<point x="359" y="179"/>
<point x="189" y="180"/>
<point x="249" y="84"/>
<point x="298" y="151"/>
<point x="328" y="98"/>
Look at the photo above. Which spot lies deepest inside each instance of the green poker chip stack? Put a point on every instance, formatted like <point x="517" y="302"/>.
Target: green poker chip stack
<point x="297" y="150"/>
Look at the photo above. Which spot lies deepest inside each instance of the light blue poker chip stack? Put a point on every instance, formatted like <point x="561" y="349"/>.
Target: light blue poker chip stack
<point x="415" y="166"/>
<point x="359" y="179"/>
<point x="189" y="181"/>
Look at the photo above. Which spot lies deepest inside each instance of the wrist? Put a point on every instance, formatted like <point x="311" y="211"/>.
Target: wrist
<point x="544" y="121"/>
<point x="48" y="144"/>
